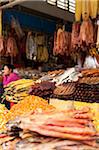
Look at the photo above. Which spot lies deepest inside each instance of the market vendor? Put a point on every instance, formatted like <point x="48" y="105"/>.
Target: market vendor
<point x="8" y="77"/>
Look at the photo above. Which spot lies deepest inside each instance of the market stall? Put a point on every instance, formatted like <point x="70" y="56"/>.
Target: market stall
<point x="56" y="110"/>
<point x="61" y="84"/>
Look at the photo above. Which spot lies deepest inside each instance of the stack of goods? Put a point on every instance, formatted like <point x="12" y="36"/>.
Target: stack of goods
<point x="61" y="76"/>
<point x="85" y="89"/>
<point x="30" y="103"/>
<point x="89" y="80"/>
<point x="78" y="92"/>
<point x="3" y="112"/>
<point x="88" y="87"/>
<point x="52" y="131"/>
<point x="17" y="90"/>
<point x="86" y="92"/>
<point x="65" y="89"/>
<point x="44" y="89"/>
<point x="90" y="73"/>
<point x="94" y="108"/>
<point x="70" y="75"/>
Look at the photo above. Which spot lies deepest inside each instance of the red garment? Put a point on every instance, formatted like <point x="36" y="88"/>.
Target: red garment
<point x="10" y="78"/>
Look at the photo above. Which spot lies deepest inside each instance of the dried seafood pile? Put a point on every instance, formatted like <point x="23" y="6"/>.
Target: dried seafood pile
<point x="85" y="89"/>
<point x="3" y="112"/>
<point x="87" y="93"/>
<point x="30" y="103"/>
<point x="60" y="77"/>
<point x="90" y="73"/>
<point x="43" y="89"/>
<point x="17" y="90"/>
<point x="89" y="80"/>
<point x="90" y="76"/>
<point x="52" y="131"/>
<point x="65" y="89"/>
<point x="78" y="92"/>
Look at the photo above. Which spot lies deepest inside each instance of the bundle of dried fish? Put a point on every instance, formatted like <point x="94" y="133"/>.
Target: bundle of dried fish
<point x="70" y="75"/>
<point x="43" y="89"/>
<point x="89" y="80"/>
<point x="57" y="130"/>
<point x="65" y="89"/>
<point x="86" y="92"/>
<point x="17" y="90"/>
<point x="90" y="72"/>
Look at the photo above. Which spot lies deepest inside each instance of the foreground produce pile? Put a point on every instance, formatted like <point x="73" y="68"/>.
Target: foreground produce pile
<point x="94" y="109"/>
<point x="17" y="90"/>
<point x="3" y="112"/>
<point x="30" y="103"/>
<point x="51" y="130"/>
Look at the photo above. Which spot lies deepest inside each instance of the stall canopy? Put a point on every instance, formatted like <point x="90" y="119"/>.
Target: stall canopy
<point x="43" y="7"/>
<point x="29" y="21"/>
